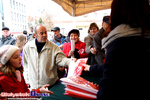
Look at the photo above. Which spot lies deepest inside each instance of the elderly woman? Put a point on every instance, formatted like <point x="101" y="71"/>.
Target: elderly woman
<point x="79" y="46"/>
<point x="88" y="41"/>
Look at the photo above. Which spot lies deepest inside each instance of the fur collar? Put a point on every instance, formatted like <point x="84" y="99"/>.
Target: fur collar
<point x="90" y="35"/>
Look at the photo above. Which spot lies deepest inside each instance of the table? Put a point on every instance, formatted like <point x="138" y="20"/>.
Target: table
<point x="59" y="91"/>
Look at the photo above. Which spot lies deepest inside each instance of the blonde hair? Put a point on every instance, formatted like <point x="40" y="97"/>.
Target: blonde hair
<point x="8" y="70"/>
<point x="21" y="41"/>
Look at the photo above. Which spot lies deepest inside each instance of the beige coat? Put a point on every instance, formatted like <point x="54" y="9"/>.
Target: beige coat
<point x="88" y="43"/>
<point x="41" y="68"/>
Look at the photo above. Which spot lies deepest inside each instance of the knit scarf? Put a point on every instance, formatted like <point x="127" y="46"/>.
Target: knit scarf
<point x="90" y="35"/>
<point x="122" y="30"/>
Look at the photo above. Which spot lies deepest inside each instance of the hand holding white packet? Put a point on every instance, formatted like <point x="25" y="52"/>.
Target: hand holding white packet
<point x="72" y="47"/>
<point x="72" y="67"/>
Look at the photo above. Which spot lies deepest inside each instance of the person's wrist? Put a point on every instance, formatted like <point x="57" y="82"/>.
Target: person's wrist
<point x="90" y="46"/>
<point x="68" y="55"/>
<point x="88" y="67"/>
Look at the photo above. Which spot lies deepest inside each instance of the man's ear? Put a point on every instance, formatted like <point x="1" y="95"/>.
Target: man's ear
<point x="34" y="35"/>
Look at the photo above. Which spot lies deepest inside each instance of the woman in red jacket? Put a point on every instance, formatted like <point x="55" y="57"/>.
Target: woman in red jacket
<point x="79" y="46"/>
<point x="11" y="78"/>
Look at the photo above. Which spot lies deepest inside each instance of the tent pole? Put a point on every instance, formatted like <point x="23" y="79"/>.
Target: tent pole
<point x="73" y="8"/>
<point x="73" y="13"/>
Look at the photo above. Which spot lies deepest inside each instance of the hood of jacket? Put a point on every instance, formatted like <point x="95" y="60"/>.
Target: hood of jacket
<point x="59" y="38"/>
<point x="7" y="38"/>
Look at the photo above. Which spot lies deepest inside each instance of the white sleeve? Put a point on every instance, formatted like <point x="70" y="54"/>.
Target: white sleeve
<point x="25" y="66"/>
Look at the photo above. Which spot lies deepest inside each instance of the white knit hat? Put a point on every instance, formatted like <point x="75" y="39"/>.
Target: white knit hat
<point x="6" y="52"/>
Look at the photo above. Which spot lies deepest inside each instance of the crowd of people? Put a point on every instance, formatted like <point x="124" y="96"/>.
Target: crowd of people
<point x="118" y="52"/>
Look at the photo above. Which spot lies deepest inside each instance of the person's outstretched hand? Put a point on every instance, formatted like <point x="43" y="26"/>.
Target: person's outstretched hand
<point x="71" y="53"/>
<point x="86" y="67"/>
<point x="61" y="46"/>
<point x="93" y="51"/>
<point x="44" y="90"/>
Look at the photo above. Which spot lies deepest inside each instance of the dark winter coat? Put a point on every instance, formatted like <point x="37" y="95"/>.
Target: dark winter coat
<point x="7" y="41"/>
<point x="125" y="73"/>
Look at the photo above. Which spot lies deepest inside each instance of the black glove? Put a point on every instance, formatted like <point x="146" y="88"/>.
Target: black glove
<point x="76" y="54"/>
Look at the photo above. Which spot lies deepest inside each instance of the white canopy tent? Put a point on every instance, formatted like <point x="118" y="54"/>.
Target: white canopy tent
<point x="81" y="7"/>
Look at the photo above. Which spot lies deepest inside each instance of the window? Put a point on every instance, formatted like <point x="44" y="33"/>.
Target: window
<point x="62" y="30"/>
<point x="18" y="28"/>
<point x="10" y="3"/>
<point x="18" y="17"/>
<point x="12" y="27"/>
<point x="14" y="4"/>
<point x="22" y="7"/>
<point x="1" y="11"/>
<point x="3" y="24"/>
<point x="12" y="16"/>
<point x="15" y="28"/>
<point x="17" y="5"/>
<point x="22" y="18"/>
<point x="23" y="27"/>
<point x="80" y="28"/>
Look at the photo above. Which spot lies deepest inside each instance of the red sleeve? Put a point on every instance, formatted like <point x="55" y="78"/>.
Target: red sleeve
<point x="65" y="49"/>
<point x="81" y="51"/>
<point x="8" y="84"/>
<point x="37" y="90"/>
<point x="0" y="89"/>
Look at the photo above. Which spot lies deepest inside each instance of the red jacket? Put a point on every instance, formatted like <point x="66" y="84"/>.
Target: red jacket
<point x="11" y="84"/>
<point x="79" y="45"/>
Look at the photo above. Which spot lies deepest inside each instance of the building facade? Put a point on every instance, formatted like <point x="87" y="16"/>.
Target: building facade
<point x="67" y="22"/>
<point x="13" y="15"/>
